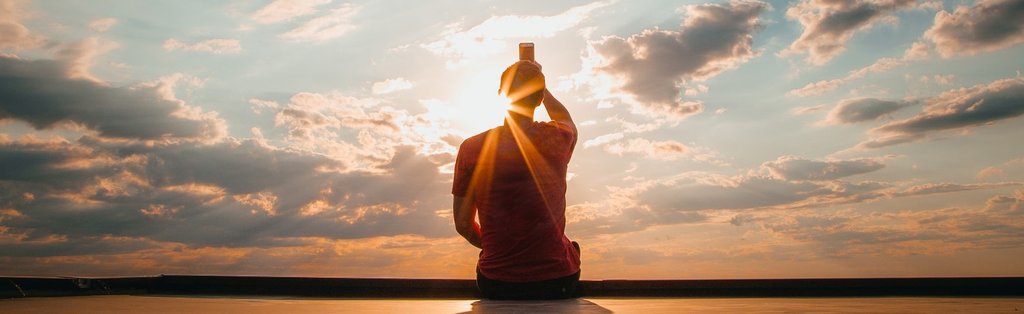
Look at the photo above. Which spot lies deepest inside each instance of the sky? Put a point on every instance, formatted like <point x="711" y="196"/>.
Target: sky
<point x="722" y="139"/>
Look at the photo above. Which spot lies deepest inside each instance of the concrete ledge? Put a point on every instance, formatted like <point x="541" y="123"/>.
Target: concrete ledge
<point x="14" y="287"/>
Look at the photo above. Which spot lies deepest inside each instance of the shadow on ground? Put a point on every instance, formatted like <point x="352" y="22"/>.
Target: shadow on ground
<point x="545" y="306"/>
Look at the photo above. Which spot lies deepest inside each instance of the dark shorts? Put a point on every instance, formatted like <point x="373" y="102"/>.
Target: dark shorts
<point x="559" y="288"/>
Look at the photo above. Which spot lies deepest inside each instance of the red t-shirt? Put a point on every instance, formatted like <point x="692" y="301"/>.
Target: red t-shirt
<point x="517" y="178"/>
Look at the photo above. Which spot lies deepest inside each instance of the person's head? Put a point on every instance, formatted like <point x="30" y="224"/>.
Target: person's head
<point x="523" y="84"/>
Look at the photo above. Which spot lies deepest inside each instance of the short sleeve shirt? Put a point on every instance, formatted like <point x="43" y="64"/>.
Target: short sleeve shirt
<point x="515" y="175"/>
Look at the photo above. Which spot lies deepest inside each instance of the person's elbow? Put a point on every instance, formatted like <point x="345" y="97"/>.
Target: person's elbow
<point x="464" y="227"/>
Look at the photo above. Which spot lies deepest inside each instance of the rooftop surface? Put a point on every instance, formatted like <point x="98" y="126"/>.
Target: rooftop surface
<point x="250" y="305"/>
<point x="13" y="287"/>
<point x="246" y="294"/>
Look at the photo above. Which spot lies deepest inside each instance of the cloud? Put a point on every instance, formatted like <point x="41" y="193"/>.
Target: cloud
<point x="944" y="79"/>
<point x="917" y="51"/>
<point x="787" y="184"/>
<point x="815" y="88"/>
<point x="800" y="169"/>
<point x="80" y="57"/>
<point x="653" y="65"/>
<point x="938" y="231"/>
<point x="961" y="108"/>
<point x="864" y="109"/>
<point x="989" y="172"/>
<point x="936" y="188"/>
<point x="390" y="86"/>
<point x="215" y="46"/>
<point x="603" y="139"/>
<point x="323" y="28"/>
<point x="796" y="111"/>
<point x="119" y="112"/>
<point x="258" y="105"/>
<point x="326" y="122"/>
<point x="657" y="150"/>
<point x="102" y="25"/>
<point x="698" y="192"/>
<point x="828" y="24"/>
<point x="988" y="25"/>
<point x="490" y="36"/>
<point x="692" y="197"/>
<point x="252" y="193"/>
<point x="286" y="10"/>
<point x="403" y="255"/>
<point x="663" y="150"/>
<point x="13" y="34"/>
<point x="308" y="113"/>
<point x="998" y="170"/>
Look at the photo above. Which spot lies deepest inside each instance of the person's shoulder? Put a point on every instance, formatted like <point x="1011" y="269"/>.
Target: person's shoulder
<point x="476" y="140"/>
<point x="555" y="126"/>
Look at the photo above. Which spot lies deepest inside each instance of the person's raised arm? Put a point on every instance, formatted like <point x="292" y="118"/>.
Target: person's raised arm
<point x="464" y="213"/>
<point x="556" y="110"/>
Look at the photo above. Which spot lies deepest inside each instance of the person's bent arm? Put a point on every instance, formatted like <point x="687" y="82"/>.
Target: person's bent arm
<point x="556" y="110"/>
<point x="465" y="223"/>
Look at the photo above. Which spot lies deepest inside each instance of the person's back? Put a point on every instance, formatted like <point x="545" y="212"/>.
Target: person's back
<point x="513" y="176"/>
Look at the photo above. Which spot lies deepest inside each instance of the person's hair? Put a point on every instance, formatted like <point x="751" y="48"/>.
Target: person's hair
<point x="523" y="83"/>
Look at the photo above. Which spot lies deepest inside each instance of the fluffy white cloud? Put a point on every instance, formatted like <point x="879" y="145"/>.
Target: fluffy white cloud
<point x="390" y="86"/>
<point x="216" y="46"/>
<point x="988" y="25"/>
<point x="258" y="105"/>
<point x="286" y="10"/>
<point x="652" y="66"/>
<point x="829" y="24"/>
<point x="664" y="150"/>
<point x="364" y="132"/>
<point x="603" y="139"/>
<point x="490" y="36"/>
<point x="322" y="28"/>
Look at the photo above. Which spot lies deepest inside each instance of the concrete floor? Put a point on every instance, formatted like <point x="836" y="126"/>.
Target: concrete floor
<point x="258" y="305"/>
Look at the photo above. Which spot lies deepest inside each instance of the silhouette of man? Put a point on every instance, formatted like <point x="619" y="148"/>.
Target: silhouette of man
<point x="512" y="178"/>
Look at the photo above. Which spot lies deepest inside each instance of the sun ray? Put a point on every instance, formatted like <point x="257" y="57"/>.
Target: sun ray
<point x="538" y="166"/>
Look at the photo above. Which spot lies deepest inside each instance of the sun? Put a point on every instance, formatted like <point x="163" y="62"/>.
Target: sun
<point x="477" y="105"/>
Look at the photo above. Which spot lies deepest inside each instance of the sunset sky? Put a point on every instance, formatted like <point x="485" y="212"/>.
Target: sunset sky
<point x="742" y="139"/>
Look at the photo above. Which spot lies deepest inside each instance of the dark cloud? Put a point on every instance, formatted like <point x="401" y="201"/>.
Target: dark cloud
<point x="193" y="194"/>
<point x="654" y="63"/>
<point x="986" y="26"/>
<point x="796" y="168"/>
<point x="739" y="193"/>
<point x="930" y="231"/>
<point x="791" y="182"/>
<point x="864" y="109"/>
<point x="794" y="184"/>
<point x="39" y="92"/>
<point x="955" y="109"/>
<point x="936" y="188"/>
<point x="829" y="24"/>
<point x="98" y="245"/>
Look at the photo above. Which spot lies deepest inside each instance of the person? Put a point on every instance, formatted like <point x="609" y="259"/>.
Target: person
<point x="512" y="179"/>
